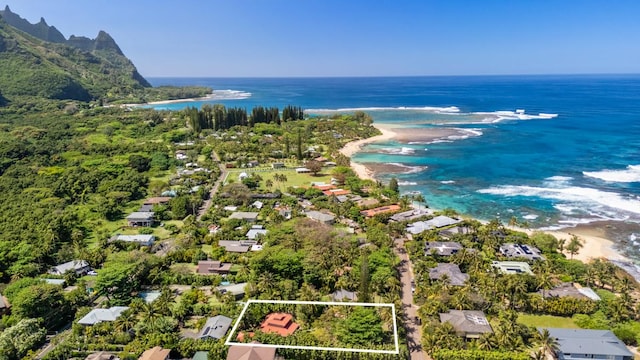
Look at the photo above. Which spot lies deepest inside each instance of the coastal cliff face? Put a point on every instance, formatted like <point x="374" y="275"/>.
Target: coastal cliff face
<point x="37" y="60"/>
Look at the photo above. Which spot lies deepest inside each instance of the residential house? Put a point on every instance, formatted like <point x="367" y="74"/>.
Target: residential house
<point x="255" y="231"/>
<point x="279" y="323"/>
<point x="284" y="211"/>
<point x="234" y="246"/>
<point x="512" y="267"/>
<point x="96" y="316"/>
<point x="470" y="324"/>
<point x="245" y="216"/>
<point x="140" y="239"/>
<point x="251" y="353"/>
<point x="456" y="230"/>
<point x="140" y="218"/>
<point x="529" y="252"/>
<point x="277" y="165"/>
<point x="442" y="248"/>
<point x="258" y="204"/>
<point x="365" y="202"/>
<point x="302" y="170"/>
<point x="336" y="192"/>
<point x="209" y="267"/>
<point x="80" y="267"/>
<point x="155" y="353"/>
<point x="101" y="355"/>
<point x="451" y="271"/>
<point x="215" y="328"/>
<point x="253" y="163"/>
<point x="321" y="217"/>
<point x="571" y="290"/>
<point x="58" y="282"/>
<point x="410" y="215"/>
<point x="435" y="223"/>
<point x="578" y="344"/>
<point x="342" y="295"/>
<point x="380" y="210"/>
<point x="237" y="290"/>
<point x="5" y="306"/>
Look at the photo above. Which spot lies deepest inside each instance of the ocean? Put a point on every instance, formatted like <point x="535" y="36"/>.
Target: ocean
<point x="551" y="151"/>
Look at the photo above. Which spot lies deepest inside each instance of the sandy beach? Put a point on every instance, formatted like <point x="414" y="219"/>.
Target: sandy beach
<point x="165" y="102"/>
<point x="594" y="237"/>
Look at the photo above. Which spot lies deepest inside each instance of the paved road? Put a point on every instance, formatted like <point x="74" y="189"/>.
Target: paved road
<point x="409" y="309"/>
<point x="223" y="173"/>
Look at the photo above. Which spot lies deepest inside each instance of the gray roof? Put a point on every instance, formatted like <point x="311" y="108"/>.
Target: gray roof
<point x="68" y="266"/>
<point x="410" y="215"/>
<point x="521" y="251"/>
<point x="436" y="222"/>
<point x="253" y="233"/>
<point x="216" y="327"/>
<point x="343" y="294"/>
<point x="571" y="290"/>
<point x="140" y="215"/>
<point x="143" y="239"/>
<point x="244" y="215"/>
<point x="512" y="267"/>
<point x="452" y="271"/>
<point x="589" y="342"/>
<point x="234" y="246"/>
<point x="235" y="289"/>
<point x="320" y="216"/>
<point x="467" y="321"/>
<point x="201" y="355"/>
<point x="146" y="208"/>
<point x="99" y="315"/>
<point x="442" y="248"/>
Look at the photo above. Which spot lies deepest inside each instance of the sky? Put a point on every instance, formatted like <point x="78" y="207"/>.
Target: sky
<point x="297" y="38"/>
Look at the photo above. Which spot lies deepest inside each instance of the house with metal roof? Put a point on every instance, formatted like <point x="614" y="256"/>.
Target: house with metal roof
<point x="412" y="214"/>
<point x="435" y="223"/>
<point x="579" y="344"/>
<point x="237" y="290"/>
<point x="255" y="231"/>
<point x="140" y="239"/>
<point x="234" y="246"/>
<point x="442" y="248"/>
<point x="245" y="216"/>
<point x="449" y="271"/>
<point x="101" y="315"/>
<point x="571" y="290"/>
<point x="528" y="252"/>
<point x="80" y="267"/>
<point x="470" y="324"/>
<point x="321" y="217"/>
<point x="215" y="328"/>
<point x="140" y="218"/>
<point x="512" y="267"/>
<point x="209" y="267"/>
<point x="344" y="295"/>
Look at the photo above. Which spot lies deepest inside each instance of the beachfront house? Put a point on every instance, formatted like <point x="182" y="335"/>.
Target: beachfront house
<point x="410" y="215"/>
<point x="435" y="223"/>
<point x="528" y="252"/>
<point x="580" y="344"/>
<point x="380" y="210"/>
<point x="571" y="290"/>
<point x="512" y="267"/>
<point x="470" y="324"/>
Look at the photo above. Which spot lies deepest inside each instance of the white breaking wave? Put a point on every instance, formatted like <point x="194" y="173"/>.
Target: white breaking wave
<point x="530" y="216"/>
<point x="407" y="183"/>
<point x="409" y="169"/>
<point x="229" y="95"/>
<point x="398" y="151"/>
<point x="630" y="174"/>
<point x="434" y="109"/>
<point x="447" y="182"/>
<point x="593" y="201"/>
<point x="559" y="178"/>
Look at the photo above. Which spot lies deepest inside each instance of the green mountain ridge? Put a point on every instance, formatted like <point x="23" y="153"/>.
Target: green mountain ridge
<point x="36" y="60"/>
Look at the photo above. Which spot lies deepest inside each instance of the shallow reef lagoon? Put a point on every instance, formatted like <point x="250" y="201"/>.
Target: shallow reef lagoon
<point x="554" y="151"/>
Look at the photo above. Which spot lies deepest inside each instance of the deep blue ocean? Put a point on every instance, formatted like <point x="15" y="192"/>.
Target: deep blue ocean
<point x="577" y="163"/>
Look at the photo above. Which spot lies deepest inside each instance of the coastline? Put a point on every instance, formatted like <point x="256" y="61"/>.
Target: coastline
<point x="594" y="238"/>
<point x="176" y="101"/>
<point x="353" y="147"/>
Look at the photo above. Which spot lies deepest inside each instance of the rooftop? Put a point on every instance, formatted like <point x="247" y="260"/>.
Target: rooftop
<point x="243" y="215"/>
<point x="436" y="222"/>
<point x="521" y="251"/>
<point x="206" y="267"/>
<point x="143" y="239"/>
<point x="411" y="215"/>
<point x="234" y="246"/>
<point x="442" y="248"/>
<point x="451" y="271"/>
<point x="99" y="315"/>
<point x="320" y="216"/>
<point x="512" y="267"/>
<point x="467" y="321"/>
<point x="216" y="327"/>
<point x="155" y="353"/>
<point x="254" y="233"/>
<point x="250" y="353"/>
<point x="280" y="323"/>
<point x="380" y="210"/>
<point x="572" y="290"/>
<point x="140" y="215"/>
<point x="590" y="342"/>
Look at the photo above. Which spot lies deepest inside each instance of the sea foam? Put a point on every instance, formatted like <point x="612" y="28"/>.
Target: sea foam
<point x="229" y="95"/>
<point x="630" y="174"/>
<point x="433" y="109"/>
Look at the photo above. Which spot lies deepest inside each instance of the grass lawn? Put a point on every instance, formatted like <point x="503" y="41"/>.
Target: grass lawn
<point x="293" y="178"/>
<point x="547" y="321"/>
<point x="183" y="268"/>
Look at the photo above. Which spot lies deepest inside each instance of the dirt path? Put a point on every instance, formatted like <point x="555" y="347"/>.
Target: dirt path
<point x="409" y="309"/>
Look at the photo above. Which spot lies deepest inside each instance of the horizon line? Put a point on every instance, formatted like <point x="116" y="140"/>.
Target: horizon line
<point x="383" y="76"/>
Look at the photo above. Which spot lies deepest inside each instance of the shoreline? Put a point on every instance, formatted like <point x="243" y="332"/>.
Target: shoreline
<point x="176" y="101"/>
<point x="595" y="242"/>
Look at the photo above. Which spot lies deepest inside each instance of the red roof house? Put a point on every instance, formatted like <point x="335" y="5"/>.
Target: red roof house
<point x="279" y="323"/>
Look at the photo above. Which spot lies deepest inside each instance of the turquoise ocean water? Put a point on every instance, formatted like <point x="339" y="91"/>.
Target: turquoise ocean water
<point x="577" y="163"/>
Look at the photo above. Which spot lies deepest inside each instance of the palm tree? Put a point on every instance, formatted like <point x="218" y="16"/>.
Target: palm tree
<point x="546" y="342"/>
<point x="574" y="246"/>
<point x="126" y="321"/>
